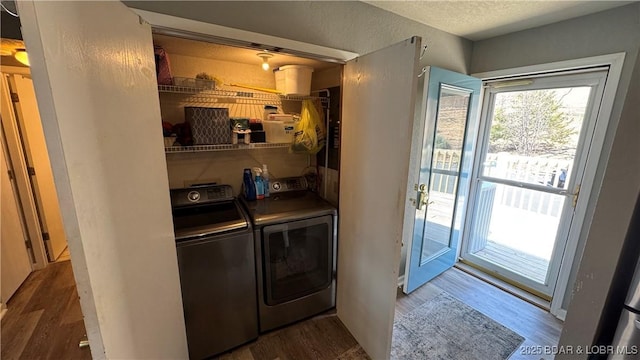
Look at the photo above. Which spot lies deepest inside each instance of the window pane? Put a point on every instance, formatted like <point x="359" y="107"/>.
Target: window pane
<point x="534" y="135"/>
<point x="516" y="228"/>
<point x="453" y="108"/>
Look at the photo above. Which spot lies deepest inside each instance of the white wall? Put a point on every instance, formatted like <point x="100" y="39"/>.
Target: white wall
<point x="618" y="173"/>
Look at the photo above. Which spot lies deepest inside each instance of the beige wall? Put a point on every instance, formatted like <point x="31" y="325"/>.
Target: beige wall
<point x="172" y="105"/>
<point x="618" y="173"/>
<point x="224" y="167"/>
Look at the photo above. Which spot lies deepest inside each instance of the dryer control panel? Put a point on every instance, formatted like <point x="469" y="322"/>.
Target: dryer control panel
<point x="288" y="184"/>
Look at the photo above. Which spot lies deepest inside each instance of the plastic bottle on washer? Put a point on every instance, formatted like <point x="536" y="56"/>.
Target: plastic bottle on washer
<point x="265" y="180"/>
<point x="249" y="186"/>
<point x="259" y="184"/>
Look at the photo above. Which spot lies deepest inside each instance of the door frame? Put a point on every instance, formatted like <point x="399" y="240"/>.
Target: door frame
<point x="598" y="155"/>
<point x="40" y="259"/>
<point x="596" y="79"/>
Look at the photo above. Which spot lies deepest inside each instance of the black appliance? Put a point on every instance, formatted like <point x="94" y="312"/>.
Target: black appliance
<point x="214" y="240"/>
<point x="295" y="234"/>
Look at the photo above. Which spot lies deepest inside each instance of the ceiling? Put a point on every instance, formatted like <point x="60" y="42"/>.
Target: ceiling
<point x="175" y="45"/>
<point x="478" y="20"/>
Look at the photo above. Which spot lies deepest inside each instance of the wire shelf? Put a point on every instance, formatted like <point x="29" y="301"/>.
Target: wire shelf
<point x="232" y="96"/>
<point x="222" y="147"/>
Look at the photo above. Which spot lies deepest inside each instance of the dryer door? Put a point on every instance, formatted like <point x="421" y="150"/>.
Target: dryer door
<point x="297" y="258"/>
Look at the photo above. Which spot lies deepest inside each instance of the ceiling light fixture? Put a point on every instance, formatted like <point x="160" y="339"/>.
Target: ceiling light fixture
<point x="265" y="56"/>
<point x="21" y="55"/>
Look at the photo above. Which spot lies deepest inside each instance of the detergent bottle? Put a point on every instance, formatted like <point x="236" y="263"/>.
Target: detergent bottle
<point x="248" y="185"/>
<point x="259" y="184"/>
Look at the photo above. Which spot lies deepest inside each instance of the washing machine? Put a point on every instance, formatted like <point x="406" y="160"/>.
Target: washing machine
<point x="216" y="260"/>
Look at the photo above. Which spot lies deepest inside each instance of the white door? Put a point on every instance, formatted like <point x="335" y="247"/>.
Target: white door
<point x="93" y="70"/>
<point x="30" y="137"/>
<point x="15" y="263"/>
<point x="379" y="92"/>
<point x="16" y="154"/>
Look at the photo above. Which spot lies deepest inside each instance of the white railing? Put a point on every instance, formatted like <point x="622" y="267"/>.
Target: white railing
<point x="445" y="171"/>
<point x="529" y="169"/>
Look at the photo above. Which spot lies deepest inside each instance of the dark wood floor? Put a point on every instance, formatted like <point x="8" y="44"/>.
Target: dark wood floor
<point x="44" y="320"/>
<point x="323" y="337"/>
<point x="537" y="326"/>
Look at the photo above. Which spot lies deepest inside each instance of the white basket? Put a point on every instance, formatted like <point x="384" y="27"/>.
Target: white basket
<point x="278" y="132"/>
<point x="294" y="79"/>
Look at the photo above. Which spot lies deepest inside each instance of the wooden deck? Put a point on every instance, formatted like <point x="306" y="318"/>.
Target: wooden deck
<point x="530" y="266"/>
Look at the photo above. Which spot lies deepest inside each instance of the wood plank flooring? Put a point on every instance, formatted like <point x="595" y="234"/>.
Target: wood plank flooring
<point x="44" y="320"/>
<point x="536" y="325"/>
<point x="323" y="337"/>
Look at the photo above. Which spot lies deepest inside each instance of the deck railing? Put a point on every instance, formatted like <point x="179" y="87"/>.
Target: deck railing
<point x="537" y="170"/>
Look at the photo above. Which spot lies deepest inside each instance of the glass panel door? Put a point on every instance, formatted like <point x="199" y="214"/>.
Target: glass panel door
<point x="535" y="143"/>
<point x="445" y="170"/>
<point x="448" y="127"/>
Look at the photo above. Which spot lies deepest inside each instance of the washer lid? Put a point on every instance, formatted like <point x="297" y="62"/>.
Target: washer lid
<point x="208" y="219"/>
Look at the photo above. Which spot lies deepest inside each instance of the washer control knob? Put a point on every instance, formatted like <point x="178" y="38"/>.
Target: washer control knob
<point x="193" y="196"/>
<point x="276" y="186"/>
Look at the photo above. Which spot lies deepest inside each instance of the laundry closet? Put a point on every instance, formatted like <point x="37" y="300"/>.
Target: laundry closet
<point x="237" y="83"/>
<point x="253" y="255"/>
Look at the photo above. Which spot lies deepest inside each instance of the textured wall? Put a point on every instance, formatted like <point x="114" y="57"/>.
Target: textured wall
<point x="346" y="25"/>
<point x="618" y="173"/>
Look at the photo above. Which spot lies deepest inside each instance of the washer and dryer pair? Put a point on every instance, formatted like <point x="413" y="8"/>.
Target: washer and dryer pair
<point x="254" y="267"/>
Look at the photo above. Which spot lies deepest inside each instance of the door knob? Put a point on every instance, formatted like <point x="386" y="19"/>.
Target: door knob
<point x="423" y="196"/>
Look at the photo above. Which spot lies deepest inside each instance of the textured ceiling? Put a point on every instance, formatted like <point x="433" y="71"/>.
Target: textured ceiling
<point x="477" y="20"/>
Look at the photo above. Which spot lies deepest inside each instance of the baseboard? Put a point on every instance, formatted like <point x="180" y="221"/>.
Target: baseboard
<point x="561" y="314"/>
<point x="400" y="281"/>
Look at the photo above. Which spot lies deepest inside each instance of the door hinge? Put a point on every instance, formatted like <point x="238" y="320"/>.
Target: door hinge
<point x="10" y="172"/>
<point x="45" y="236"/>
<point x="576" y="194"/>
<point x="31" y="171"/>
<point x="14" y="97"/>
<point x="27" y="244"/>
